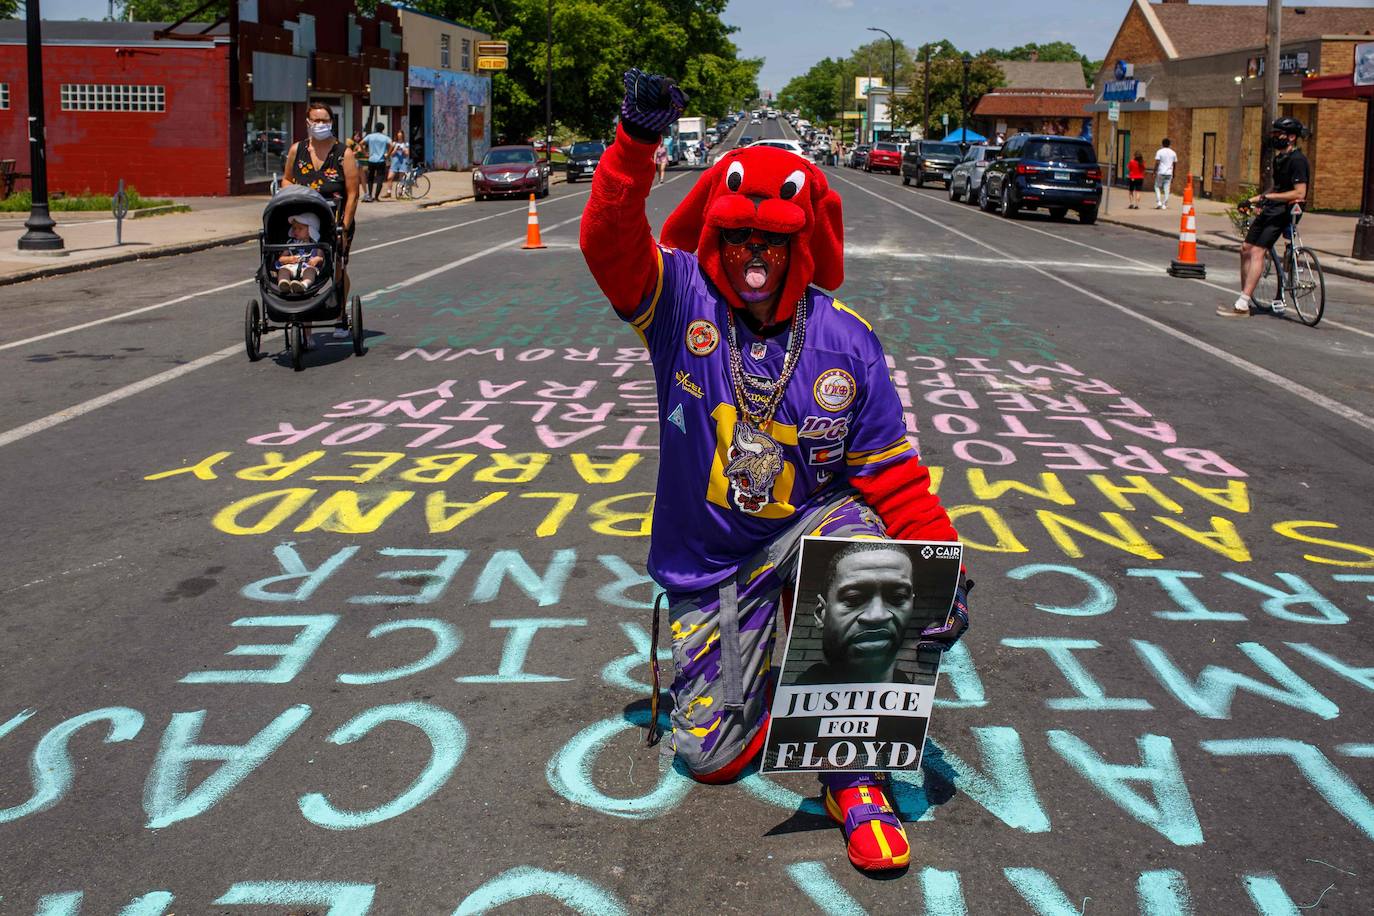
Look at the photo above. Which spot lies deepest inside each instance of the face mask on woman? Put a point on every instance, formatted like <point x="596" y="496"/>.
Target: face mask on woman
<point x="321" y="130"/>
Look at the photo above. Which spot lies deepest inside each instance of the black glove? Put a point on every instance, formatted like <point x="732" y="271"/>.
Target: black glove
<point x="651" y="103"/>
<point x="944" y="636"/>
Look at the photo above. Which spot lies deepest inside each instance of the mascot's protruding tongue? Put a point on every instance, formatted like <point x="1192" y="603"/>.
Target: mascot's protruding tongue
<point x="756" y="276"/>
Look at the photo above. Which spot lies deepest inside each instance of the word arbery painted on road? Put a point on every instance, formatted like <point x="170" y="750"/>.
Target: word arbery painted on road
<point x="497" y="452"/>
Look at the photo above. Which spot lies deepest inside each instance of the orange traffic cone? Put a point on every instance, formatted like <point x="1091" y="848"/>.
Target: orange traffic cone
<point x="1186" y="265"/>
<point x="532" y="239"/>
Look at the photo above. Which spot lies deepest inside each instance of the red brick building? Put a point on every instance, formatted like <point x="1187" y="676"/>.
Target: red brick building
<point x="121" y="105"/>
<point x="199" y="109"/>
<point x="1197" y="79"/>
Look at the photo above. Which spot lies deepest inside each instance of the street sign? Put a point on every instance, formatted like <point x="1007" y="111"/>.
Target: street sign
<point x="493" y="48"/>
<point x="1113" y="111"/>
<point x="944" y="120"/>
<point x="493" y="63"/>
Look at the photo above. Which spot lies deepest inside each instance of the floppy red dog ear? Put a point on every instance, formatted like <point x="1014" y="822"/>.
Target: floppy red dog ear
<point x="683" y="227"/>
<point x="827" y="233"/>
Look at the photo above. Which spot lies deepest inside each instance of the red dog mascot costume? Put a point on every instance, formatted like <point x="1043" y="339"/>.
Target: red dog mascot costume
<point x="778" y="420"/>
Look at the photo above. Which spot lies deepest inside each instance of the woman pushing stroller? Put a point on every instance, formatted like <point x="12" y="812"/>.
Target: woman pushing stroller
<point x="323" y="163"/>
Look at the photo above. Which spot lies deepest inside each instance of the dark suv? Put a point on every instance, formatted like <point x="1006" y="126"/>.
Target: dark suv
<point x="1037" y="170"/>
<point x="930" y="159"/>
<point x="583" y="159"/>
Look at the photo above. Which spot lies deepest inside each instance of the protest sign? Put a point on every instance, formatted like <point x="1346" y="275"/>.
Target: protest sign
<point x="855" y="690"/>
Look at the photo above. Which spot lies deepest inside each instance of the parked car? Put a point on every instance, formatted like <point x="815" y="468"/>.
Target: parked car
<point x="930" y="160"/>
<point x="858" y="155"/>
<point x="884" y="156"/>
<point x="583" y="159"/>
<point x="967" y="176"/>
<point x="792" y="146"/>
<point x="1035" y="171"/>
<point x="507" y="170"/>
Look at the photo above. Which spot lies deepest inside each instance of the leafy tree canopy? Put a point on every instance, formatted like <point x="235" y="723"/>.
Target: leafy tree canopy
<point x="594" y="42"/>
<point x="1054" y="51"/>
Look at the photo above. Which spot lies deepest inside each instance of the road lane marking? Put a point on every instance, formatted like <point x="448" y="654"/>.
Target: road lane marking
<point x="1153" y="267"/>
<point x="876" y="251"/>
<point x="1343" y="411"/>
<point x="110" y="397"/>
<point x="119" y="394"/>
<point x="522" y="209"/>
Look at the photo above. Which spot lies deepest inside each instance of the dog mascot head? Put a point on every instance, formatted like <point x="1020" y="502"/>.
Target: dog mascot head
<point x="773" y="190"/>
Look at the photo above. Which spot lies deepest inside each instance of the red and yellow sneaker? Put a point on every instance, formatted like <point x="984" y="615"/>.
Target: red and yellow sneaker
<point x="872" y="830"/>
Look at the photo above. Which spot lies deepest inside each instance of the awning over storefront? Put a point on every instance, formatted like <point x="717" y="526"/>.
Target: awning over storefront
<point x="1137" y="105"/>
<point x="1335" y="86"/>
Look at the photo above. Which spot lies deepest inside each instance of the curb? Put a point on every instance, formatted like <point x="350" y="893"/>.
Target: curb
<point x="1338" y="270"/>
<point x="54" y="270"/>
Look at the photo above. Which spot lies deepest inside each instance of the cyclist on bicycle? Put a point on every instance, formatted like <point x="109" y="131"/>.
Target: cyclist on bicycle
<point x="1291" y="175"/>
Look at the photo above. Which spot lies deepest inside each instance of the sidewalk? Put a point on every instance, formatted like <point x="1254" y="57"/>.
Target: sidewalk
<point x="1330" y="235"/>
<point x="213" y="221"/>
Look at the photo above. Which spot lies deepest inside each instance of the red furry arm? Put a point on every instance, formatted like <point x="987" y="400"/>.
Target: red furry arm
<point x="616" y="240"/>
<point x="900" y="494"/>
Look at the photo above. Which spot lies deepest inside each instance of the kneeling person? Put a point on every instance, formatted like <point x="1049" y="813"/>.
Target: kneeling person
<point x="778" y="420"/>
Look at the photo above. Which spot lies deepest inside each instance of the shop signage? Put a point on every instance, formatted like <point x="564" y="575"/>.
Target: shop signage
<point x="493" y="63"/>
<point x="1123" y="87"/>
<point x="1289" y="62"/>
<point x="1364" y="64"/>
<point x="493" y="49"/>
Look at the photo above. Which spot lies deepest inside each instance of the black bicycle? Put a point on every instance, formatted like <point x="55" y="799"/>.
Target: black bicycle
<point x="1292" y="278"/>
<point x="413" y="184"/>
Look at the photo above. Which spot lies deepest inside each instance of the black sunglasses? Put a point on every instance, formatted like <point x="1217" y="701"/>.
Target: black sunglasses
<point x="742" y="235"/>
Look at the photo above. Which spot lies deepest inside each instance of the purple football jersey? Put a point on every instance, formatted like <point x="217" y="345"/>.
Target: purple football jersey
<point x="840" y="417"/>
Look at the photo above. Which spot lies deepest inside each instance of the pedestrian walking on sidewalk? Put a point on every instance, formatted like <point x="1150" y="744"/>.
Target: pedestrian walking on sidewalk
<point x="1164" y="173"/>
<point x="323" y="163"/>
<point x="1135" y="170"/>
<point x="1291" y="175"/>
<point x="377" y="143"/>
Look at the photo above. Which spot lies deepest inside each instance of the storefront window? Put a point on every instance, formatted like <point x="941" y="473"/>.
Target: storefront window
<point x="266" y="138"/>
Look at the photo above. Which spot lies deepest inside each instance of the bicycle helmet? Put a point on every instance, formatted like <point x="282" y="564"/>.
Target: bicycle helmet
<point x="1291" y="126"/>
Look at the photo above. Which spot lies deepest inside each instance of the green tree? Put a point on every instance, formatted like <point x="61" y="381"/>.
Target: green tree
<point x="9" y="9"/>
<point x="1052" y="51"/>
<point x="594" y="42"/>
<point x="946" y="89"/>
<point x="169" y="10"/>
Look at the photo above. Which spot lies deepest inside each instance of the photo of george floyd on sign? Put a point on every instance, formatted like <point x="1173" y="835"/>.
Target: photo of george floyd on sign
<point x="856" y="687"/>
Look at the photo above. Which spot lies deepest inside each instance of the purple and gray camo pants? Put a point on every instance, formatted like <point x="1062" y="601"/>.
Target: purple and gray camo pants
<point x="720" y="697"/>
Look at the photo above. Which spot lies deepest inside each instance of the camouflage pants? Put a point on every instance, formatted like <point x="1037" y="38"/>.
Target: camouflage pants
<point x="723" y="641"/>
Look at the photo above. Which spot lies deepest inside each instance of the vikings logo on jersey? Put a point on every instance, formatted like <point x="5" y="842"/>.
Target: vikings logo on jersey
<point x="755" y="461"/>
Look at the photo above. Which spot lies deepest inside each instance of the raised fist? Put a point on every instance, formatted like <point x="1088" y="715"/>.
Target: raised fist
<point x="651" y="103"/>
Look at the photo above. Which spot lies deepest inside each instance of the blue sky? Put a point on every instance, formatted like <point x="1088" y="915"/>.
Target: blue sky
<point x="791" y="42"/>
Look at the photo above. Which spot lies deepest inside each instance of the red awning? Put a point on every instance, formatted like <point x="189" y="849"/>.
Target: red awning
<point x="1336" y="86"/>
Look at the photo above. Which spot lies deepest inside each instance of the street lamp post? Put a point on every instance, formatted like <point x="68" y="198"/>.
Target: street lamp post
<point x="892" y="86"/>
<point x="963" y="102"/>
<point x="40" y="235"/>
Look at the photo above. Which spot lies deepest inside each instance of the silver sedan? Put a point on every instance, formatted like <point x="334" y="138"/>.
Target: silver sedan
<point x="966" y="178"/>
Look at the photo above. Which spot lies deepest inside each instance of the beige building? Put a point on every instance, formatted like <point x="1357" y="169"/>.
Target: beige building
<point x="450" y="102"/>
<point x="1198" y="70"/>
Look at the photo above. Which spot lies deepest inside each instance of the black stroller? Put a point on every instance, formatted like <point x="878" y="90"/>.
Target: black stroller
<point x="323" y="301"/>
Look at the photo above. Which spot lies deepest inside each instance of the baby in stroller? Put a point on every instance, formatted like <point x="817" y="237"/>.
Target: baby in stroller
<point x="299" y="265"/>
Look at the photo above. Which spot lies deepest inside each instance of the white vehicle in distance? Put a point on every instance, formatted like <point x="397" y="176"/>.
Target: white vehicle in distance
<point x="792" y="146"/>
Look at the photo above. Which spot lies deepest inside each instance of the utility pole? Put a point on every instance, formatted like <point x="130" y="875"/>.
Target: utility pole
<point x="963" y="102"/>
<point x="868" y="105"/>
<point x="40" y="236"/>
<point x="1271" y="92"/>
<point x="548" y="89"/>
<point x="925" y="79"/>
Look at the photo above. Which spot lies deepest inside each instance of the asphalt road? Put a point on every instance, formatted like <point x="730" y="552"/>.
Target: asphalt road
<point x="375" y="632"/>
